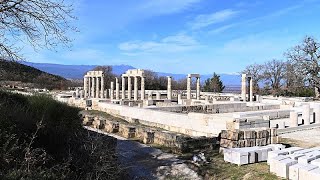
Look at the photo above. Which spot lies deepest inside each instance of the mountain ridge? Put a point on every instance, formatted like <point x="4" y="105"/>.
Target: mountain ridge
<point x="77" y="72"/>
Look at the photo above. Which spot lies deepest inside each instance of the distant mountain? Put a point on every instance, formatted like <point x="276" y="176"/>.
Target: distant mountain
<point x="77" y="72"/>
<point x="73" y="71"/>
<point x="33" y="77"/>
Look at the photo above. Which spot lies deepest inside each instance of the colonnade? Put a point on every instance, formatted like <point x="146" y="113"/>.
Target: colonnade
<point x="135" y="87"/>
<point x="93" y="84"/>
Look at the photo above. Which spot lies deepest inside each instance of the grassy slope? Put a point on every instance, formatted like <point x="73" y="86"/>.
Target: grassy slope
<point x="44" y="139"/>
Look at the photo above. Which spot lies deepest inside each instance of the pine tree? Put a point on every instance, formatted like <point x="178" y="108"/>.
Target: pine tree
<point x="214" y="84"/>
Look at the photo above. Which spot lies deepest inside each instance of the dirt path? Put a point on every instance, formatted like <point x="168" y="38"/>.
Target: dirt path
<point x="141" y="161"/>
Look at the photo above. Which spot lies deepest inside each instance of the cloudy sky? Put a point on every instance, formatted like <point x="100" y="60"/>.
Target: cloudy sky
<point x="185" y="36"/>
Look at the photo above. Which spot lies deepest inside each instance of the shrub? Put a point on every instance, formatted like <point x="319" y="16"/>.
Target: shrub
<point x="43" y="139"/>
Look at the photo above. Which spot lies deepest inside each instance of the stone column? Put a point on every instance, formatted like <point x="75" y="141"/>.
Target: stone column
<point x="251" y="89"/>
<point x="150" y="95"/>
<point x="293" y="119"/>
<point x="135" y="88"/>
<point x="93" y="87"/>
<point x="77" y="93"/>
<point x="102" y="87"/>
<point x="169" y="90"/>
<point x="198" y="88"/>
<point x="317" y="113"/>
<point x="129" y="87"/>
<point x="123" y="91"/>
<point x="158" y="96"/>
<point x="89" y="87"/>
<point x="142" y="88"/>
<point x="98" y="87"/>
<point x="85" y="86"/>
<point x="243" y="87"/>
<point x="111" y="90"/>
<point x="189" y="87"/>
<point x="258" y="98"/>
<point x="179" y="99"/>
<point x="117" y="89"/>
<point x="306" y="114"/>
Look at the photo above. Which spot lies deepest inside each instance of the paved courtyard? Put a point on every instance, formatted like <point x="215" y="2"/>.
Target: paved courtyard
<point x="311" y="136"/>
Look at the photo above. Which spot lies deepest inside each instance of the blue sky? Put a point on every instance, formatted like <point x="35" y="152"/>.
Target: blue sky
<point x="185" y="36"/>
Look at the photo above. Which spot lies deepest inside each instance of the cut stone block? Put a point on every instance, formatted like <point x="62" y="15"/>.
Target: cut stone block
<point x="274" y="161"/>
<point x="304" y="171"/>
<point x="309" y="157"/>
<point x="240" y="157"/>
<point x="294" y="171"/>
<point x="263" y="153"/>
<point x="316" y="162"/>
<point x="314" y="174"/>
<point x="250" y="142"/>
<point x="276" y="153"/>
<point x="303" y="151"/>
<point x="282" y="167"/>
<point x="249" y="134"/>
<point x="295" y="156"/>
<point x="261" y="142"/>
<point x="233" y="135"/>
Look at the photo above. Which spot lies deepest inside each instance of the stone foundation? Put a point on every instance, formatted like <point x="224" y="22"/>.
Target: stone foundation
<point x="179" y="143"/>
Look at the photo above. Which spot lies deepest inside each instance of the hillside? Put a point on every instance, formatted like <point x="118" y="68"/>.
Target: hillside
<point x="14" y="71"/>
<point x="77" y="72"/>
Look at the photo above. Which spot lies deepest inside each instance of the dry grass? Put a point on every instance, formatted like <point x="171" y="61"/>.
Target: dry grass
<point x="219" y="169"/>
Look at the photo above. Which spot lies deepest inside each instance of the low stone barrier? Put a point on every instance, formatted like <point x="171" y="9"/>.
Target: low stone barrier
<point x="178" y="143"/>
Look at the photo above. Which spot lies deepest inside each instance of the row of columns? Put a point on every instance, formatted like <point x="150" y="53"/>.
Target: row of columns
<point x="93" y="87"/>
<point x="189" y="87"/>
<point x="135" y="88"/>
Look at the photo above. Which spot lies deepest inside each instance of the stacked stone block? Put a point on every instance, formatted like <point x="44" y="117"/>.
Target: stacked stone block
<point x="127" y="131"/>
<point x="248" y="138"/>
<point x="295" y="163"/>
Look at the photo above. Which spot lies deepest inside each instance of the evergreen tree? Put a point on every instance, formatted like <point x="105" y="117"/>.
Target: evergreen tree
<point x="214" y="84"/>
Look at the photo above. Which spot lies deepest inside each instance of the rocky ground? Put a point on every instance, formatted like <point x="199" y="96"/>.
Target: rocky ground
<point x="141" y="161"/>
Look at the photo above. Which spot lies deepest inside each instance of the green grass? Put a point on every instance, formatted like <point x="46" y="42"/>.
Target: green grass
<point x="219" y="169"/>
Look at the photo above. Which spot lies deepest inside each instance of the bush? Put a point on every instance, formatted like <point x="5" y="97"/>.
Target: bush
<point x="44" y="139"/>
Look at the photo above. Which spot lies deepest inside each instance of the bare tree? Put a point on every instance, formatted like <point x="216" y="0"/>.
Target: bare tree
<point x="306" y="57"/>
<point x="294" y="77"/>
<point x="39" y="23"/>
<point x="108" y="75"/>
<point x="273" y="73"/>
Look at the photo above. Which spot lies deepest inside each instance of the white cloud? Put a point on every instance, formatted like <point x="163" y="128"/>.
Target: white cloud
<point x="205" y="20"/>
<point x="176" y="43"/>
<point x="159" y="7"/>
<point x="222" y="28"/>
<point x="255" y="20"/>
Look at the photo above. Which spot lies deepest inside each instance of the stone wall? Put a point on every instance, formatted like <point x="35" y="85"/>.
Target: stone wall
<point x="177" y="142"/>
